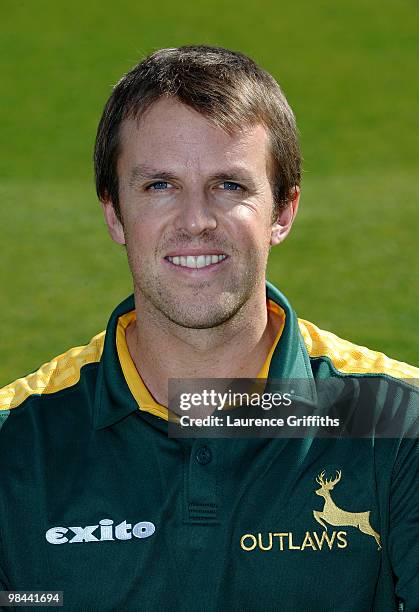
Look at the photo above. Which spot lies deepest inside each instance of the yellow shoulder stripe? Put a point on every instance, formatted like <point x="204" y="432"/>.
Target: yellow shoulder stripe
<point x="62" y="372"/>
<point x="351" y="358"/>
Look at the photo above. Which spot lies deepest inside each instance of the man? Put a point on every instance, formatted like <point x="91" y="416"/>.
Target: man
<point x="198" y="171"/>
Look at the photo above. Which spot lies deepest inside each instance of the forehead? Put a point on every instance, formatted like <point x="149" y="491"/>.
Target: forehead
<point x="171" y="133"/>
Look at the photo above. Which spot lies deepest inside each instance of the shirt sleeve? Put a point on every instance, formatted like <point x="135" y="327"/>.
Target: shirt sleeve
<point x="4" y="587"/>
<point x="404" y="525"/>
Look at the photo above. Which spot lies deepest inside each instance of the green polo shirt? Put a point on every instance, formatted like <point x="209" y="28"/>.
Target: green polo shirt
<point x="98" y="502"/>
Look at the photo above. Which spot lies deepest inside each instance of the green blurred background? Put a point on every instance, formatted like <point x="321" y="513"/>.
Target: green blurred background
<point x="350" y="71"/>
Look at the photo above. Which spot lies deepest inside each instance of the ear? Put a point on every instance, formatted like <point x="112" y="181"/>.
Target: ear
<point x="115" y="227"/>
<point x="285" y="218"/>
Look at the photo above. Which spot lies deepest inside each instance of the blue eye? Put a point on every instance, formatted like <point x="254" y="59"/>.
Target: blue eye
<point x="159" y="185"/>
<point x="230" y="186"/>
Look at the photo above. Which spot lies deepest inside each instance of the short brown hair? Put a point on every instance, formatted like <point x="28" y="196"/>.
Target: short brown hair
<point x="225" y="86"/>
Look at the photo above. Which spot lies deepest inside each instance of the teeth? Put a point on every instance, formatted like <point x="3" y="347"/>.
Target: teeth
<point x="196" y="261"/>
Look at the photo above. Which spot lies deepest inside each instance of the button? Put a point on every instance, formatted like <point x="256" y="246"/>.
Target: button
<point x="203" y="455"/>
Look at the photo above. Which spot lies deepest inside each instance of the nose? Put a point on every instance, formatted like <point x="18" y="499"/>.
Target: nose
<point x="195" y="214"/>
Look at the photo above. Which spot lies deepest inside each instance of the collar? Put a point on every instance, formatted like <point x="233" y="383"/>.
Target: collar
<point x="114" y="401"/>
<point x="143" y="397"/>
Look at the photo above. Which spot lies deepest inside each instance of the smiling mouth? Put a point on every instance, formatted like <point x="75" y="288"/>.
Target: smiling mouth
<point x="196" y="261"/>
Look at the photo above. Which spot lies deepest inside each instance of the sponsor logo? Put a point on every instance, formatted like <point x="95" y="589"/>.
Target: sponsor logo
<point x="104" y="531"/>
<point x="311" y="540"/>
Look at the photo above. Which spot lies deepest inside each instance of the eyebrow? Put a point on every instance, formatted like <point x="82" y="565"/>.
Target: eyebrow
<point x="143" y="172"/>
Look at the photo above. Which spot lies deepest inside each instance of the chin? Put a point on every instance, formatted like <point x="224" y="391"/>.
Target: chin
<point x="196" y="321"/>
<point x="195" y="309"/>
<point x="205" y="316"/>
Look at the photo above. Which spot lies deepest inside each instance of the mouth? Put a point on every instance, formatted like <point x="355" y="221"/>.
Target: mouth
<point x="195" y="262"/>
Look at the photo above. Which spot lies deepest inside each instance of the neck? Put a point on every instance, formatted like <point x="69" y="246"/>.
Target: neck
<point x="162" y="349"/>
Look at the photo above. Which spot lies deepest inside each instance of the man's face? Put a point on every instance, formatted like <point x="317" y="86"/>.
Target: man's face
<point x="196" y="205"/>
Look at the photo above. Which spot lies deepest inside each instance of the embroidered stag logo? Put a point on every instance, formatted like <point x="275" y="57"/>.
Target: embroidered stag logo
<point x="334" y="515"/>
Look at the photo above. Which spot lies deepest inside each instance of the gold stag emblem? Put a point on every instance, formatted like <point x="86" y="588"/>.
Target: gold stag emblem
<point x="337" y="517"/>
